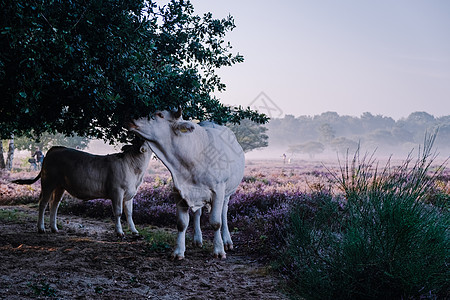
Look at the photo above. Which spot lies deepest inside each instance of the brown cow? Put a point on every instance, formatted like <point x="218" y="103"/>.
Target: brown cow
<point x="87" y="176"/>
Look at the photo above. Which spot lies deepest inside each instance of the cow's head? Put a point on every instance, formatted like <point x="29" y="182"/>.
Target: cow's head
<point x="137" y="145"/>
<point x="162" y="126"/>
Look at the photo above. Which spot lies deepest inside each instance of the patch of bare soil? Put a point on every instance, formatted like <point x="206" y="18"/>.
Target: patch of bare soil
<point x="85" y="260"/>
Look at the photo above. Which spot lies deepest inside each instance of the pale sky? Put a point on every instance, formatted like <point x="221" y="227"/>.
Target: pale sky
<point x="309" y="57"/>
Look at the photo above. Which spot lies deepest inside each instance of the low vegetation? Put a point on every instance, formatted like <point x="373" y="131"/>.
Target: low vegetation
<point x="356" y="231"/>
<point x="12" y="215"/>
<point x="159" y="240"/>
<point x="379" y="239"/>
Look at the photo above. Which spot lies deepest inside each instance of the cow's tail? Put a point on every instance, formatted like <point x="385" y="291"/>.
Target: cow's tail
<point x="27" y="181"/>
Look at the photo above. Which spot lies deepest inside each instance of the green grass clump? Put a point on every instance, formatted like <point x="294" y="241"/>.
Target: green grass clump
<point x="159" y="240"/>
<point x="380" y="240"/>
<point x="12" y="215"/>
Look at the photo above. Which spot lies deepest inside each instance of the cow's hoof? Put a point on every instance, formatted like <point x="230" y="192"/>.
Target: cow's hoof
<point x="220" y="255"/>
<point x="41" y="230"/>
<point x="228" y="246"/>
<point x="198" y="244"/>
<point x="177" y="257"/>
<point x="54" y="230"/>
<point x="136" y="237"/>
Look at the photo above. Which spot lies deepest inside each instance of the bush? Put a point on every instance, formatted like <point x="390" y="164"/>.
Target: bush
<point x="152" y="205"/>
<point x="381" y="241"/>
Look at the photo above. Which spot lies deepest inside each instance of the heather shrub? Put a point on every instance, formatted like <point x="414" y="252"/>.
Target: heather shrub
<point x="153" y="204"/>
<point x="261" y="210"/>
<point x="13" y="194"/>
<point x="98" y="208"/>
<point x="382" y="240"/>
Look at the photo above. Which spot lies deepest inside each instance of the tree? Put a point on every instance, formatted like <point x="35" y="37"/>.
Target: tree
<point x="250" y="135"/>
<point x="381" y="137"/>
<point x="327" y="133"/>
<point x="88" y="67"/>
<point x="343" y="145"/>
<point x="370" y="122"/>
<point x="420" y="117"/>
<point x="443" y="136"/>
<point x="418" y="123"/>
<point x="10" y="155"/>
<point x="401" y="134"/>
<point x="311" y="148"/>
<point x="2" y="158"/>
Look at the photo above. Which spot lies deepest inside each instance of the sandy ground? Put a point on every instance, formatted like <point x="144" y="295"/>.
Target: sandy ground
<point x="85" y="260"/>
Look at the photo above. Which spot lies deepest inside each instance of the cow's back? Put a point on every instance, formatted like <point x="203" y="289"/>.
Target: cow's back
<point x="224" y="141"/>
<point x="82" y="174"/>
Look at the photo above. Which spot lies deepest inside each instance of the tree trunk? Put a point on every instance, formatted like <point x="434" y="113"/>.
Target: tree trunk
<point x="2" y="158"/>
<point x="10" y="157"/>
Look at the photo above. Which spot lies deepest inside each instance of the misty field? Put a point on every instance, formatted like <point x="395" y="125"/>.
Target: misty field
<point x="361" y="229"/>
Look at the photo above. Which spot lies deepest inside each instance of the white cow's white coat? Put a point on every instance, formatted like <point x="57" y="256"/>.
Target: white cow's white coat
<point x="207" y="165"/>
<point x="86" y="176"/>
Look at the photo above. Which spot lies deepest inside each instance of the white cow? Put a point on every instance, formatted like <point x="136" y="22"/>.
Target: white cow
<point x="87" y="176"/>
<point x="207" y="165"/>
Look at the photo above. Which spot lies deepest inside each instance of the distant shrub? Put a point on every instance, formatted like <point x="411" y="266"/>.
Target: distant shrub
<point x="381" y="241"/>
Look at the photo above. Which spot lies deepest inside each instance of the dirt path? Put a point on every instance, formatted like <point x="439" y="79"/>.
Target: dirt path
<point x="85" y="260"/>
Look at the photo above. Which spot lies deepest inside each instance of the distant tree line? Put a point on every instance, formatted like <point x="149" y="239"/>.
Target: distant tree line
<point x="329" y="131"/>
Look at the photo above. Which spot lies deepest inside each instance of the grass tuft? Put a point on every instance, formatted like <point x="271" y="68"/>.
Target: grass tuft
<point x="159" y="240"/>
<point x="382" y="240"/>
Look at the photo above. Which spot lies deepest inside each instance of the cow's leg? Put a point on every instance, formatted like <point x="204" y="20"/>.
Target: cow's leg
<point x="215" y="219"/>
<point x="198" y="240"/>
<point x="182" y="224"/>
<point x="128" y="208"/>
<point x="54" y="203"/>
<point x="117" y="211"/>
<point x="44" y="197"/>
<point x="227" y="243"/>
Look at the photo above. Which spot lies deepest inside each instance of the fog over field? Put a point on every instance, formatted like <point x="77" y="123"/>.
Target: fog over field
<point x="328" y="136"/>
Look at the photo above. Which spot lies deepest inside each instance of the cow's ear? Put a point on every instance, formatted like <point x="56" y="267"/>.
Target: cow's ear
<point x="183" y="127"/>
<point x="126" y="148"/>
<point x="177" y="113"/>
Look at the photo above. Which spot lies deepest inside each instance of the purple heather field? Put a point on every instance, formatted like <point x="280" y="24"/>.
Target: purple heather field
<point x="259" y="208"/>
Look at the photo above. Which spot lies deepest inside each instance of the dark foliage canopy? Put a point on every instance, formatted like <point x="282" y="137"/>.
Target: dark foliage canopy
<point x="87" y="66"/>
